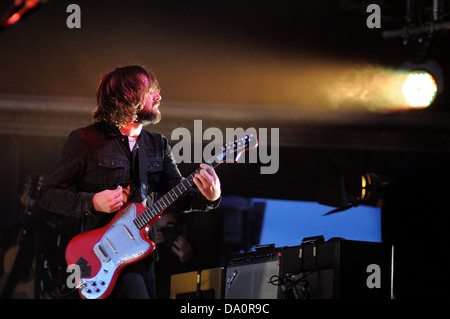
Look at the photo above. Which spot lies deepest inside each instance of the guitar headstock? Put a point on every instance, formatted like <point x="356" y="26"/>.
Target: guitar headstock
<point x="232" y="151"/>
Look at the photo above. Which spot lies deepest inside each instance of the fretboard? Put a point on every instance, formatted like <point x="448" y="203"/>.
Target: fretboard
<point x="161" y="204"/>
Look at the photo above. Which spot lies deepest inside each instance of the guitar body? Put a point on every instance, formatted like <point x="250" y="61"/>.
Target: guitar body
<point x="102" y="253"/>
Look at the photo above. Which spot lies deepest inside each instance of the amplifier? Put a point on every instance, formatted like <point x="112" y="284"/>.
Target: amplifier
<point x="338" y="269"/>
<point x="204" y="284"/>
<point x="316" y="269"/>
<point x="249" y="275"/>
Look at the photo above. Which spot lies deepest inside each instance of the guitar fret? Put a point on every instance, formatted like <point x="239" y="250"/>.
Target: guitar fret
<point x="168" y="200"/>
<point x="148" y="216"/>
<point x="140" y="221"/>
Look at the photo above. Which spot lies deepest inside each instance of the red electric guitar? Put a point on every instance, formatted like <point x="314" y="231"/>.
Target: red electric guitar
<point x="102" y="253"/>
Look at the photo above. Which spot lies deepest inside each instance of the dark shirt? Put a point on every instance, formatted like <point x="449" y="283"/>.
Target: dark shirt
<point x="97" y="157"/>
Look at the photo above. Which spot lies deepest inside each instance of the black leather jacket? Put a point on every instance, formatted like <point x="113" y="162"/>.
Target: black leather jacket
<point x="97" y="157"/>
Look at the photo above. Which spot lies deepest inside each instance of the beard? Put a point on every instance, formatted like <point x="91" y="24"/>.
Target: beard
<point x="146" y="117"/>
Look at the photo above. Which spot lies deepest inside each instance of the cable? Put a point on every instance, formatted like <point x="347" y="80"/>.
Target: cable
<point x="293" y="287"/>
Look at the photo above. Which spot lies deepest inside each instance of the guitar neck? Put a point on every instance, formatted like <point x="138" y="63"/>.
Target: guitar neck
<point x="232" y="149"/>
<point x="161" y="204"/>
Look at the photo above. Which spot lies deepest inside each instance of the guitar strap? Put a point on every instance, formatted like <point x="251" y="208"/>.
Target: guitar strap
<point x="144" y="186"/>
<point x="142" y="170"/>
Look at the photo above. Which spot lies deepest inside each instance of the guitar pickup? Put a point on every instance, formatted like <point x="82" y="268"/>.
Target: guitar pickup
<point x="125" y="228"/>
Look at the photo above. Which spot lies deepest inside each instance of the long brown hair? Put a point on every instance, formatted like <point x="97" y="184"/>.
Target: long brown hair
<point x="122" y="92"/>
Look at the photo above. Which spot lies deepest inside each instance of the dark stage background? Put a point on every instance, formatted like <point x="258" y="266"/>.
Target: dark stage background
<point x="261" y="64"/>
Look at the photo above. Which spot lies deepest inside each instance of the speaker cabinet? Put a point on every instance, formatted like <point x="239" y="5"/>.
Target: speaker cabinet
<point x="337" y="269"/>
<point x="204" y="284"/>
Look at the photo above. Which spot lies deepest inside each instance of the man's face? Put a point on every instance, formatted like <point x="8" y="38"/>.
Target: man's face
<point x="150" y="113"/>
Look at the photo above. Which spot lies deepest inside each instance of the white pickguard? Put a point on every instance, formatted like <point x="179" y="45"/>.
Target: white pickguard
<point x="121" y="243"/>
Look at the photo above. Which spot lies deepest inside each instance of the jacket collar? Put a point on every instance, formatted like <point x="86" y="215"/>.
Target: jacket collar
<point x="108" y="129"/>
<point x="113" y="131"/>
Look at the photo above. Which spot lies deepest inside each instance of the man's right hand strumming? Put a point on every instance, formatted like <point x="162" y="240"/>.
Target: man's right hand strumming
<point x="109" y="201"/>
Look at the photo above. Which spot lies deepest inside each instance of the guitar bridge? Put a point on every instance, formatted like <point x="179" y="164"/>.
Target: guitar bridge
<point x="101" y="254"/>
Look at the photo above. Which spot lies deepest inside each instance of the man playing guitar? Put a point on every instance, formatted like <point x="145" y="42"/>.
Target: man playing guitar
<point x="114" y="160"/>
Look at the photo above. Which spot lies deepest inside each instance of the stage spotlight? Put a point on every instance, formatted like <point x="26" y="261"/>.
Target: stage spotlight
<point x="423" y="82"/>
<point x="420" y="89"/>
<point x="349" y="191"/>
